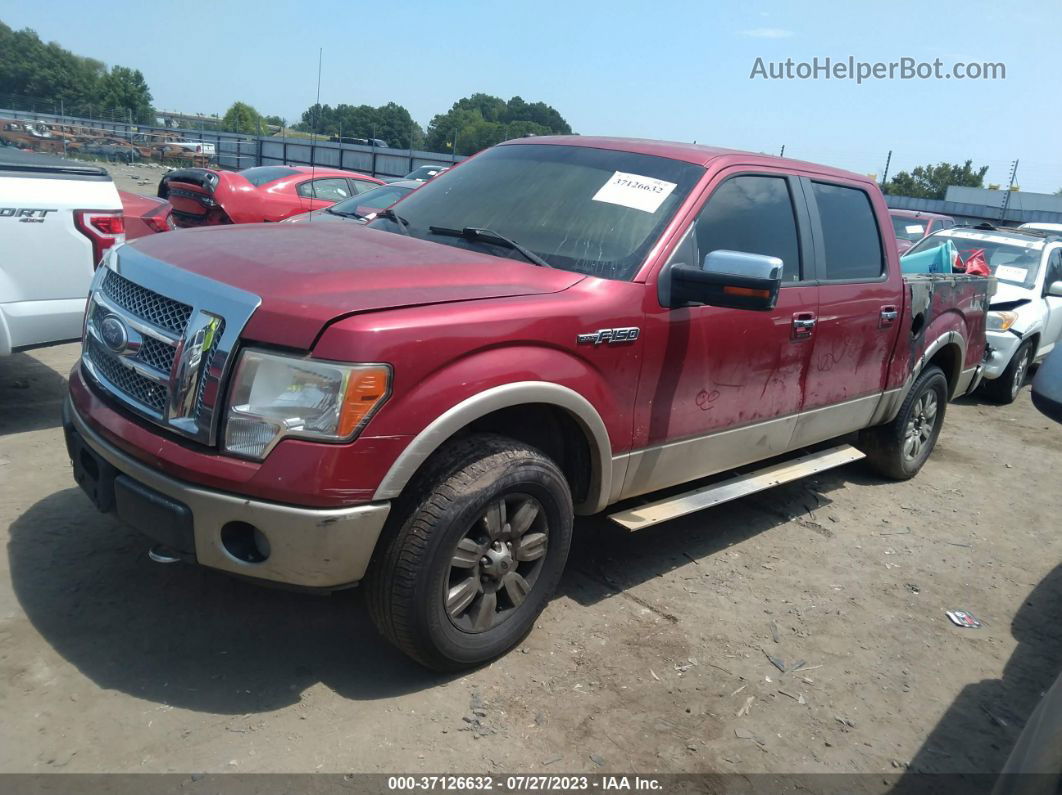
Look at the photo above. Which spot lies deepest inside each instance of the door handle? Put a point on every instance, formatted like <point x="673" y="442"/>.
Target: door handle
<point x="803" y="325"/>
<point x="889" y="314"/>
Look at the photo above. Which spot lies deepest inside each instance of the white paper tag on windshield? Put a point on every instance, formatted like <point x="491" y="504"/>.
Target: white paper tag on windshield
<point x="634" y="191"/>
<point x="914" y="229"/>
<point x="1011" y="273"/>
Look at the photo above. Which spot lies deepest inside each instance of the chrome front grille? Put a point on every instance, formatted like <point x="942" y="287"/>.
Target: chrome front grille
<point x="126" y="381"/>
<point x="160" y="340"/>
<point x="146" y="304"/>
<point x="157" y="354"/>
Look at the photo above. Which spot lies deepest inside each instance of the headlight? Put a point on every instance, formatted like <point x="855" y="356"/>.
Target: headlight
<point x="1001" y="321"/>
<point x="274" y="396"/>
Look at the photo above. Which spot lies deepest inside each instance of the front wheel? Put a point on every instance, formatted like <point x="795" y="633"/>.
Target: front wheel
<point x="473" y="552"/>
<point x="1005" y="389"/>
<point x="899" y="448"/>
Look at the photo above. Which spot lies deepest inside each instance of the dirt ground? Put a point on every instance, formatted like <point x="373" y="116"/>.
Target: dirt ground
<point x="658" y="654"/>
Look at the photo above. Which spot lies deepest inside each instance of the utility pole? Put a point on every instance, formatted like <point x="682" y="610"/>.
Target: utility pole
<point x="885" y="176"/>
<point x="1010" y="187"/>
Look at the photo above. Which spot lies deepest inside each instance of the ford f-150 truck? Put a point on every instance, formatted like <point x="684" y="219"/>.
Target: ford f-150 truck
<point x="553" y="327"/>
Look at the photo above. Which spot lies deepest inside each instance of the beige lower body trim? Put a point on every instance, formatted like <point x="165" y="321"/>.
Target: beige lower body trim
<point x="666" y="465"/>
<point x="318" y="548"/>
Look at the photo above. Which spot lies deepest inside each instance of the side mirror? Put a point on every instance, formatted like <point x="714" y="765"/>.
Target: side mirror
<point x="734" y="279"/>
<point x="1055" y="289"/>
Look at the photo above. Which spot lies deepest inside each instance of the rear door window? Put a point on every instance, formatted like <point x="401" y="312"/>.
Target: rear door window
<point x="332" y="190"/>
<point x="851" y="240"/>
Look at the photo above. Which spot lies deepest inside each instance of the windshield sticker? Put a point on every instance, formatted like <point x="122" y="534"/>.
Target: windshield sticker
<point x="914" y="229"/>
<point x="635" y="191"/>
<point x="1010" y="273"/>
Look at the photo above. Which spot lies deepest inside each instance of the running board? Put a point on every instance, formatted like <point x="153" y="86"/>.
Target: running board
<point x="735" y="487"/>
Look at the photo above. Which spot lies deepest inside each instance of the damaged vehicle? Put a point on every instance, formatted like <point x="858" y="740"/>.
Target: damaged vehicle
<point x="425" y="403"/>
<point x="1025" y="321"/>
<point x="209" y="197"/>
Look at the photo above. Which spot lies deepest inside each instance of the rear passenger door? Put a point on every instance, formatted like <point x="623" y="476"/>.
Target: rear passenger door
<point x="860" y="300"/>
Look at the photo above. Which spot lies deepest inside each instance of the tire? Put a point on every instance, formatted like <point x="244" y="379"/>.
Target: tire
<point x="441" y="585"/>
<point x="899" y="448"/>
<point x="1005" y="389"/>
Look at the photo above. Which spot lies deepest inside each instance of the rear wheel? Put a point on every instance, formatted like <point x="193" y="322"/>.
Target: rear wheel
<point x="1005" y="389"/>
<point x="899" y="448"/>
<point x="473" y="552"/>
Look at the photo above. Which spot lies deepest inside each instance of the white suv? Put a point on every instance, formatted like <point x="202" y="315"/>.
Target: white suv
<point x="1025" y="317"/>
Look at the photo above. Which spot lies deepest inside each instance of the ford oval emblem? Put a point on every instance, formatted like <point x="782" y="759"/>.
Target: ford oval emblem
<point x="114" y="333"/>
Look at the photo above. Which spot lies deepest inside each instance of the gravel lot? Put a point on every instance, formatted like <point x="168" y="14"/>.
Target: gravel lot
<point x="654" y="656"/>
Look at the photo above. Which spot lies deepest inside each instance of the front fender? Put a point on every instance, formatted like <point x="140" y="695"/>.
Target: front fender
<point x="499" y="397"/>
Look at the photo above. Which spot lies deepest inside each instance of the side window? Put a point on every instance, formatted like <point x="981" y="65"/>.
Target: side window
<point x="1054" y="268"/>
<point x="362" y="185"/>
<point x="332" y="190"/>
<point x="753" y="214"/>
<point x="851" y="239"/>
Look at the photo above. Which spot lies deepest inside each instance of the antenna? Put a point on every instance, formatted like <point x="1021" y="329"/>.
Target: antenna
<point x="313" y="136"/>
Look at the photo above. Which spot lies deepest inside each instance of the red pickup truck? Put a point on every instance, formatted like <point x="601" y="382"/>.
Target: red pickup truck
<point x="555" y="326"/>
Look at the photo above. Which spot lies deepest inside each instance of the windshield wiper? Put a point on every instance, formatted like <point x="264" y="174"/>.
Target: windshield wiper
<point x="400" y="222"/>
<point x="341" y="214"/>
<point x="489" y="236"/>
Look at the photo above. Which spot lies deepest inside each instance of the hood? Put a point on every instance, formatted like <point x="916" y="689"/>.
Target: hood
<point x="1010" y="296"/>
<point x="308" y="275"/>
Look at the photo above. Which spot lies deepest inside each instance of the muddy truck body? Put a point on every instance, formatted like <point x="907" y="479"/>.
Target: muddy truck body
<point x="555" y="327"/>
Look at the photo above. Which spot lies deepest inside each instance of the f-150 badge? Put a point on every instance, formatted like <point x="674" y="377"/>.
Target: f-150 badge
<point x="610" y="335"/>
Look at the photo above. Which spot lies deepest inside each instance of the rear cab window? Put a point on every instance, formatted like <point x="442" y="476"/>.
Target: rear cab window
<point x="260" y="175"/>
<point x="851" y="239"/>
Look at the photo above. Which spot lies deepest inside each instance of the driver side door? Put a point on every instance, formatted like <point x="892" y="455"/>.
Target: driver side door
<point x="722" y="387"/>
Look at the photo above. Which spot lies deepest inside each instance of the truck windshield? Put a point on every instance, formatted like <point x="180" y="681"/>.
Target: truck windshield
<point x="1012" y="259"/>
<point x="593" y="211"/>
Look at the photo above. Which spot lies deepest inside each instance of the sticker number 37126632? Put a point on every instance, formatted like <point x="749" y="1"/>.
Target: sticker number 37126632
<point x="635" y="191"/>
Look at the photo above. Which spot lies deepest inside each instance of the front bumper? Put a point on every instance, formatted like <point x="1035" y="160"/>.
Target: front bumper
<point x="307" y="547"/>
<point x="1003" y="344"/>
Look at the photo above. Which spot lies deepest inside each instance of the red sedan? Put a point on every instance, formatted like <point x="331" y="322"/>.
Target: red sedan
<point x="206" y="197"/>
<point x="144" y="215"/>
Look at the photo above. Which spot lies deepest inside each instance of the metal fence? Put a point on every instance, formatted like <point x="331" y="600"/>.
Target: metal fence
<point x="236" y="151"/>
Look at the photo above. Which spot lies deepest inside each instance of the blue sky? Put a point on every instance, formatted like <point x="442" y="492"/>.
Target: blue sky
<point x="673" y="70"/>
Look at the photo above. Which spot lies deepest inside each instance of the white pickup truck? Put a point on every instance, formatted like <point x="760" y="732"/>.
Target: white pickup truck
<point x="57" y="219"/>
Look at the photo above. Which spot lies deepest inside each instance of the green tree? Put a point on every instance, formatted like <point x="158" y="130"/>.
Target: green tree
<point x="391" y="123"/>
<point x="931" y="182"/>
<point x="35" y="75"/>
<point x="241" y="118"/>
<point x="482" y="120"/>
<point x="124" y="93"/>
<point x="276" y="121"/>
